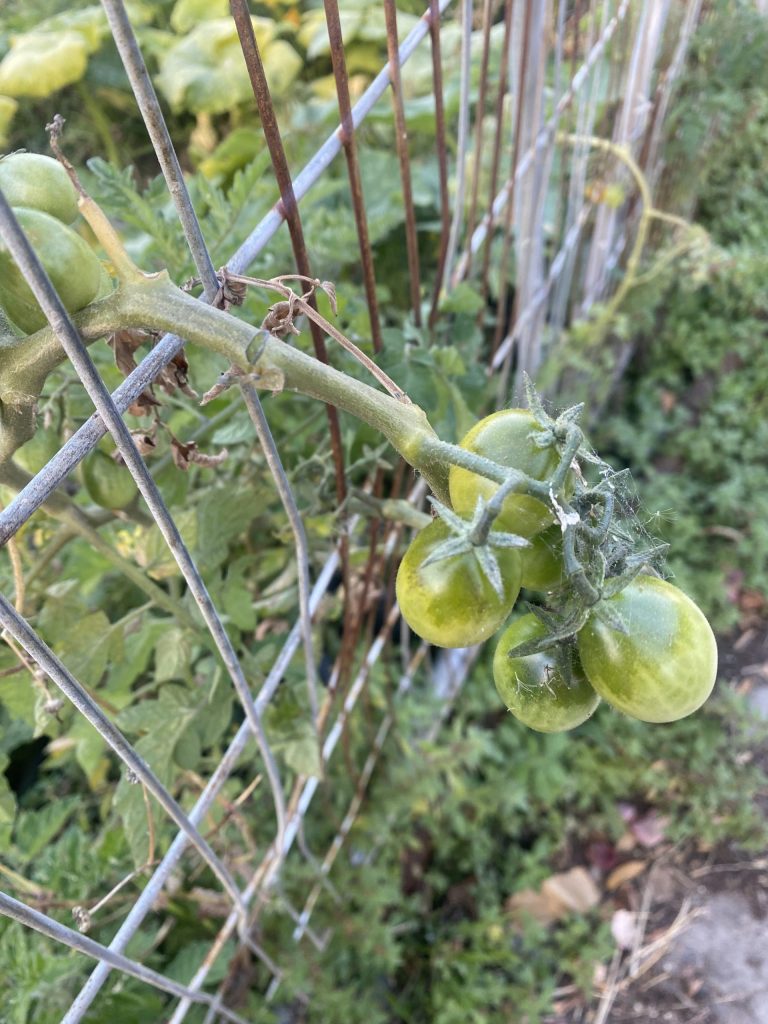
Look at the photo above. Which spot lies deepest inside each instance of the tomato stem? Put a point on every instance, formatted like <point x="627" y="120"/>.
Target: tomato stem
<point x="515" y="481"/>
<point x="155" y="303"/>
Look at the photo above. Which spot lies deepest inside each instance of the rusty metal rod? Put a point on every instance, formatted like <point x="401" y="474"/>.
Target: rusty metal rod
<point x="401" y="143"/>
<point x="346" y="132"/>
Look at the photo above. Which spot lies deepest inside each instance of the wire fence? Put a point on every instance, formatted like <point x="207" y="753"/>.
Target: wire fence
<point x="525" y="70"/>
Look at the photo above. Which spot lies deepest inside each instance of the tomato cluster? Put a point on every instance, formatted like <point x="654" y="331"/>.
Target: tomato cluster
<point x="45" y="204"/>
<point x="604" y="625"/>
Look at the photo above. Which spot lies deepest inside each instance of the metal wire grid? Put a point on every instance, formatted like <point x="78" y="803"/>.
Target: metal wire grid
<point x="536" y="36"/>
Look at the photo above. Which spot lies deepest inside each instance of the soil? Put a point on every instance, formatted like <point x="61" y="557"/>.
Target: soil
<point x="703" y="957"/>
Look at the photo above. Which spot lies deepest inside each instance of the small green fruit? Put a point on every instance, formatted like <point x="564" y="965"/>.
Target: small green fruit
<point x="38" y="451"/>
<point x="74" y="270"/>
<point x="108" y="484"/>
<point x="38" y="182"/>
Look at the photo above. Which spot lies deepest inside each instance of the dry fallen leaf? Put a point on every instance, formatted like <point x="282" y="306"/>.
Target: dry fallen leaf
<point x="650" y="829"/>
<point x="624" y="873"/>
<point x="574" y="889"/>
<point x="626" y="843"/>
<point x="569" y="892"/>
<point x="528" y="902"/>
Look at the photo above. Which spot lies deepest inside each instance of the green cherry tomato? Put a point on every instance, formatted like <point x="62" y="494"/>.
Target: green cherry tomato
<point x="451" y="603"/>
<point x="72" y="266"/>
<point x="542" y="562"/>
<point x="503" y="437"/>
<point x="39" y="183"/>
<point x="108" y="484"/>
<point x="665" y="666"/>
<point x="38" y="451"/>
<point x="9" y="331"/>
<point x="534" y="688"/>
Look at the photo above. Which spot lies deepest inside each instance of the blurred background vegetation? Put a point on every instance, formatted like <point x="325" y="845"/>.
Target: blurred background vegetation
<point x="427" y="923"/>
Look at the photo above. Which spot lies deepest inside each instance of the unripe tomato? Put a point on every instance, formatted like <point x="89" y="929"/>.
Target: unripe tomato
<point x="542" y="562"/>
<point x="534" y="688"/>
<point x="73" y="268"/>
<point x="664" y="668"/>
<point x="38" y="182"/>
<point x="9" y="331"/>
<point x="503" y="437"/>
<point x="451" y="603"/>
<point x="107" y="483"/>
<point x="38" y="451"/>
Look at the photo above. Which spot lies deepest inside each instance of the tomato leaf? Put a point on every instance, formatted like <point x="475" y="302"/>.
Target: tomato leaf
<point x="204" y="71"/>
<point x="41" y="63"/>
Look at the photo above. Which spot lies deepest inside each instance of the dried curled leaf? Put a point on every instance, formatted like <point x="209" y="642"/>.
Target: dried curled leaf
<point x="225" y="381"/>
<point x="173" y="377"/>
<point x="330" y="290"/>
<point x="185" y="455"/>
<point x="145" y="442"/>
<point x="279" y="319"/>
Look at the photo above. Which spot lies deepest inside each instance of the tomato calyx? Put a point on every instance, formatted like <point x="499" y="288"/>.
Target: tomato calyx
<point x="562" y="430"/>
<point x="559" y="629"/>
<point x="604" y="546"/>
<point x="475" y="536"/>
<point x="561" y="651"/>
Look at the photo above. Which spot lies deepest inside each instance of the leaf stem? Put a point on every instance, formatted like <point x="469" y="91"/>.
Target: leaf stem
<point x="312" y="314"/>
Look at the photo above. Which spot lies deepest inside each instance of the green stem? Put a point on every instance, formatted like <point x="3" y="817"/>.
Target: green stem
<point x="514" y="482"/>
<point x="155" y="303"/>
<point x="159" y="305"/>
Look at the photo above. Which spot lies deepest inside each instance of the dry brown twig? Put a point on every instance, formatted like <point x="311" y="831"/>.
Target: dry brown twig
<point x="279" y="319"/>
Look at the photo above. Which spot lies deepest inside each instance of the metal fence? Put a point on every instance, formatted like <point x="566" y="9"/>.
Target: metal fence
<point x="562" y="64"/>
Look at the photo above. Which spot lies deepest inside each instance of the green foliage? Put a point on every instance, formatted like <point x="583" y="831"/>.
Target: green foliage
<point x="688" y="415"/>
<point x="62" y="49"/>
<point x="454" y="828"/>
<point x="204" y="71"/>
<point x="717" y="130"/>
<point x="696" y="430"/>
<point x="451" y="828"/>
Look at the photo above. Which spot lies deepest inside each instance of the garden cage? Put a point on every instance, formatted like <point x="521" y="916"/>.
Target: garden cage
<point x="545" y="117"/>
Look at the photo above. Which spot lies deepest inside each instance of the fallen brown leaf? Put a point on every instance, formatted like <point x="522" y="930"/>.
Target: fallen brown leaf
<point x="574" y="889"/>
<point x="528" y="902"/>
<point x="650" y="829"/>
<point x="624" y="873"/>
